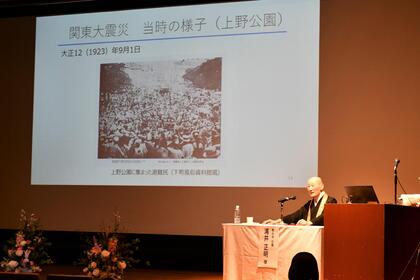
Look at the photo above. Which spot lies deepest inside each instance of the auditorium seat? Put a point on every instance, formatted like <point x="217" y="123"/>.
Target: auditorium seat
<point x="19" y="276"/>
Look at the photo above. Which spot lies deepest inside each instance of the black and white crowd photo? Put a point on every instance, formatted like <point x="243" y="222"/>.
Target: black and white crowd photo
<point x="160" y="109"/>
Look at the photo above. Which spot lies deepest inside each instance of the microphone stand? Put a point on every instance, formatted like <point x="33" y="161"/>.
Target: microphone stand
<point x="395" y="184"/>
<point x="281" y="210"/>
<point x="416" y="252"/>
<point x="282" y="201"/>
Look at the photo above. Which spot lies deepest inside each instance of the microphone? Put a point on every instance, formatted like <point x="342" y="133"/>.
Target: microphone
<point x="287" y="198"/>
<point x="396" y="162"/>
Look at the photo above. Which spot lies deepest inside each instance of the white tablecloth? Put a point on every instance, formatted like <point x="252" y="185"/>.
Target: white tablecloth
<point x="241" y="250"/>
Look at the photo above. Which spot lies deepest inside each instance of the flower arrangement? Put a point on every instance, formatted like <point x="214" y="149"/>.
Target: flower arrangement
<point x="109" y="255"/>
<point x="27" y="252"/>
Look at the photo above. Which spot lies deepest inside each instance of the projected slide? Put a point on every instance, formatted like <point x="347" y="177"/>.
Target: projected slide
<point x="140" y="117"/>
<point x="203" y="95"/>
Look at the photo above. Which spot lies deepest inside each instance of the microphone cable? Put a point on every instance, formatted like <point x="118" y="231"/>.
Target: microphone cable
<point x="417" y="250"/>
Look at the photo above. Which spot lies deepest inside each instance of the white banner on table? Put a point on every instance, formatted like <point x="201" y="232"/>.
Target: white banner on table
<point x="268" y="248"/>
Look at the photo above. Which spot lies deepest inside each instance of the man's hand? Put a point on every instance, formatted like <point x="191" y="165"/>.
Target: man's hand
<point x="272" y="222"/>
<point x="303" y="222"/>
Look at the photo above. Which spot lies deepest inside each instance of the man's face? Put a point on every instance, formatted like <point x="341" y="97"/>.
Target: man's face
<point x="314" y="187"/>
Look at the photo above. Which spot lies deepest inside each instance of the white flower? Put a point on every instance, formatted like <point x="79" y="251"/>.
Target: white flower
<point x="13" y="264"/>
<point x="93" y="264"/>
<point x="105" y="253"/>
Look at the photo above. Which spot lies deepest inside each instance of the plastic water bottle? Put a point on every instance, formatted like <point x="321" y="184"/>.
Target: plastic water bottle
<point x="237" y="215"/>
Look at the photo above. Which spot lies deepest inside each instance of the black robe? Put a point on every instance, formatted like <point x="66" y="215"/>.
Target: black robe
<point x="302" y="213"/>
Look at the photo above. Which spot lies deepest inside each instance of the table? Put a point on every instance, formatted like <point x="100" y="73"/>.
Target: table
<point x="242" y="249"/>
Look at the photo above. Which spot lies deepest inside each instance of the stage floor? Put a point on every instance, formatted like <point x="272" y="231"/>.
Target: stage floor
<point x="139" y="273"/>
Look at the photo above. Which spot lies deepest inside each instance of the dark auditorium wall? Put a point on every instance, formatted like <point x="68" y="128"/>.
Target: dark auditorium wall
<point x="369" y="114"/>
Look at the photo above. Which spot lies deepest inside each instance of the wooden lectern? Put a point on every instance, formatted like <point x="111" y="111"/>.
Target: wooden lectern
<point x="370" y="241"/>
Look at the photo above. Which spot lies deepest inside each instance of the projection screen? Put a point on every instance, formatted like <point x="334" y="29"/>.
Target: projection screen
<point x="203" y="95"/>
